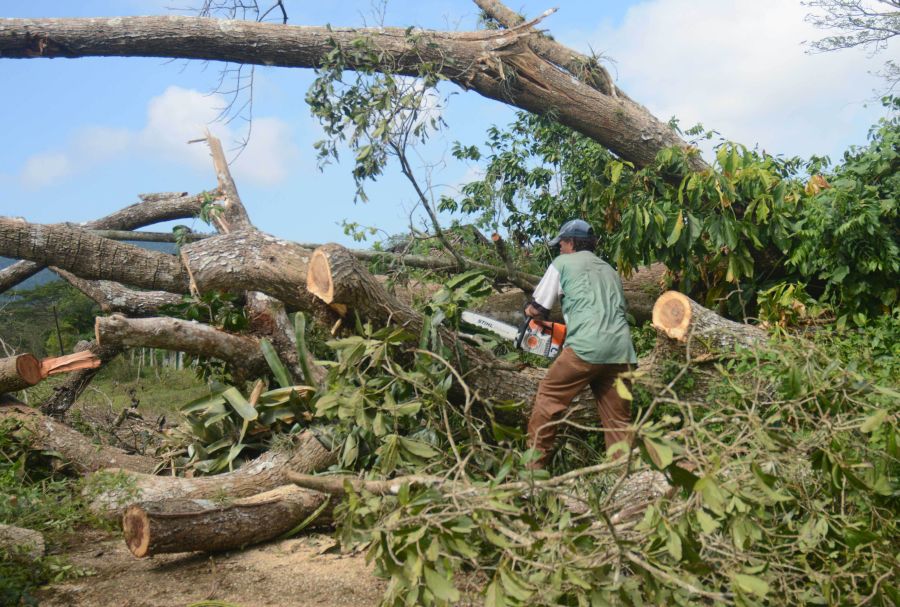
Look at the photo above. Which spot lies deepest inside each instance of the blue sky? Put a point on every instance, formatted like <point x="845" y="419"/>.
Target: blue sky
<point x="83" y="137"/>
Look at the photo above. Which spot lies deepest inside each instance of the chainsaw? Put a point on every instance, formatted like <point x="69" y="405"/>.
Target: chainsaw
<point x="540" y="337"/>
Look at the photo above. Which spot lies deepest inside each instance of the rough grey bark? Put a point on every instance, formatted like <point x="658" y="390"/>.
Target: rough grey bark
<point x="241" y="352"/>
<point x="153" y="208"/>
<point x="498" y="64"/>
<point x="113" y="297"/>
<point x="306" y="455"/>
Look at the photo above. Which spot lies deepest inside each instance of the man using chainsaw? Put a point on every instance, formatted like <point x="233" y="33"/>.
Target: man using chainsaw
<point x="598" y="346"/>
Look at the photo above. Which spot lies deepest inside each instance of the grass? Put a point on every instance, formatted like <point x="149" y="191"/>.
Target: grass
<point x="158" y="391"/>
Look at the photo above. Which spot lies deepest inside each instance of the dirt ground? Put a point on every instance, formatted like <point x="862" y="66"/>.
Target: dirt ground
<point x="289" y="573"/>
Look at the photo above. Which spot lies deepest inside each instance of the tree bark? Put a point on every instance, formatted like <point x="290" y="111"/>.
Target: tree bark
<point x="687" y="324"/>
<point x="73" y="447"/>
<point x="19" y="372"/>
<point x="153" y="208"/>
<point x="266" y="472"/>
<point x="187" y="525"/>
<point x="241" y="352"/>
<point x="113" y="297"/>
<point x="498" y="64"/>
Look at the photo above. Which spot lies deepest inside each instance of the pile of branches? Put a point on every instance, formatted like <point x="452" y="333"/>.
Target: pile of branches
<point x="748" y="481"/>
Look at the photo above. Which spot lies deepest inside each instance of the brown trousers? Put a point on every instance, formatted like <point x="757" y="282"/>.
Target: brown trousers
<point x="566" y="377"/>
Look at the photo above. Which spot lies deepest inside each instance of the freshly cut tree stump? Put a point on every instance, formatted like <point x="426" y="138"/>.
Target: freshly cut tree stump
<point x="187" y="525"/>
<point x="262" y="474"/>
<point x="682" y="319"/>
<point x="19" y="372"/>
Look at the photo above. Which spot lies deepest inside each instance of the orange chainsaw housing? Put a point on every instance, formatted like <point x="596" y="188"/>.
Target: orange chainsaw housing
<point x="542" y="337"/>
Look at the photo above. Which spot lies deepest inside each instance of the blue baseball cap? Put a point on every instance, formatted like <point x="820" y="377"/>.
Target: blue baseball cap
<point x="574" y="228"/>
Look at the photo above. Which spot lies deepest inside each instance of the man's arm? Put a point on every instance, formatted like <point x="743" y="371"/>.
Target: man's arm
<point x="545" y="294"/>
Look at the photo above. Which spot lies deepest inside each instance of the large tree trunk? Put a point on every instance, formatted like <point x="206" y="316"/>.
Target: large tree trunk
<point x="266" y="472"/>
<point x="186" y="525"/>
<point x="241" y="352"/>
<point x="153" y="208"/>
<point x="498" y="64"/>
<point x="73" y="447"/>
<point x="689" y="327"/>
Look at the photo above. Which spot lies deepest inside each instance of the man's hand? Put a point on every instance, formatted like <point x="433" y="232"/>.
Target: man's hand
<point x="533" y="312"/>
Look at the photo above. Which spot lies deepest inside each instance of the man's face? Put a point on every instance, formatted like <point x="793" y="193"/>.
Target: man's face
<point x="566" y="245"/>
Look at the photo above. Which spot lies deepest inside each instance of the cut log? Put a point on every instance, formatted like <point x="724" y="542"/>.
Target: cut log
<point x="21" y="542"/>
<point x="19" y="372"/>
<point x="689" y="324"/>
<point x="74" y="448"/>
<point x="262" y="474"/>
<point x="187" y="525"/>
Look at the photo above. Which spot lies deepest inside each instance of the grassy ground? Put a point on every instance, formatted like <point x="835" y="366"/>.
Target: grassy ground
<point x="157" y="390"/>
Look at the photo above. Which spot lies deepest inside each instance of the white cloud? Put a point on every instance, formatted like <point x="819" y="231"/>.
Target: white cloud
<point x="43" y="169"/>
<point x="175" y="117"/>
<point x="739" y="66"/>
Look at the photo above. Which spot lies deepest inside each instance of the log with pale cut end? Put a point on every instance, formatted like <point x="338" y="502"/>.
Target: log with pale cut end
<point x="682" y="319"/>
<point x="262" y="474"/>
<point x="188" y="525"/>
<point x="19" y="372"/>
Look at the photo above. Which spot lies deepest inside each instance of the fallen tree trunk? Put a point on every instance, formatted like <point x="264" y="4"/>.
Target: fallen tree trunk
<point x="266" y="472"/>
<point x="74" y="448"/>
<point x="113" y="297"/>
<point x="242" y="352"/>
<point x="187" y="525"/>
<point x="687" y="324"/>
<point x="498" y="64"/>
<point x="153" y="208"/>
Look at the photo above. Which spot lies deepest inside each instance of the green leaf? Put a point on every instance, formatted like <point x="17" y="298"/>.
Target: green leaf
<point x="440" y="586"/>
<point x="302" y="351"/>
<point x="494" y="596"/>
<point x="660" y="453"/>
<point x="240" y="404"/>
<point x="676" y="231"/>
<point x="673" y="545"/>
<point x="417" y="448"/>
<point x="278" y="369"/>
<point x="874" y="421"/>
<point x="751" y="584"/>
<point x="707" y="523"/>
<point x="622" y="389"/>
